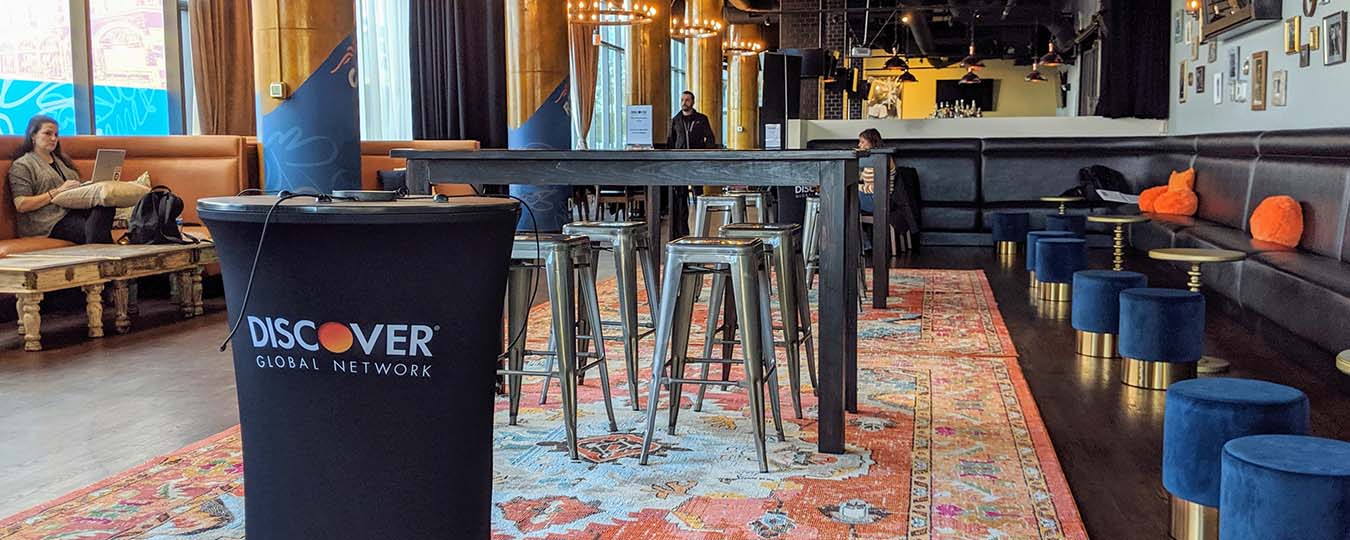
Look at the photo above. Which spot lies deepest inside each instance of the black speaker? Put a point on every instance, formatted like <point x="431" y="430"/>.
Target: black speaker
<point x="815" y="62"/>
<point x="782" y="89"/>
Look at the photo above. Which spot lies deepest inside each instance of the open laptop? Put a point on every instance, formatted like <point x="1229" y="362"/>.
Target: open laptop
<point x="108" y="166"/>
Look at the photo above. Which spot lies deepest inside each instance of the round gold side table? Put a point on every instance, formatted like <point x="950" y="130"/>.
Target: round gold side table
<point x="1063" y="202"/>
<point x="1196" y="257"/>
<point x="1343" y="362"/>
<point x="1118" y="245"/>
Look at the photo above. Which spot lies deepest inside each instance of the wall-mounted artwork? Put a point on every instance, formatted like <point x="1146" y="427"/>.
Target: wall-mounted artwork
<point x="1213" y="52"/>
<point x="1292" y="38"/>
<point x="1259" y="80"/>
<point x="1178" y="26"/>
<point x="1234" y="63"/>
<point x="1315" y="37"/>
<point x="1279" y="88"/>
<point x="883" y="100"/>
<point x="1181" y="83"/>
<point x="1305" y="56"/>
<point x="1333" y="28"/>
<point x="1218" y="88"/>
<point x="1199" y="79"/>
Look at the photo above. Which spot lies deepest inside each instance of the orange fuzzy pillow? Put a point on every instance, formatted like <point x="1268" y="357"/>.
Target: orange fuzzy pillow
<point x="1184" y="180"/>
<point x="1176" y="202"/>
<point x="1149" y="197"/>
<point x="1278" y="219"/>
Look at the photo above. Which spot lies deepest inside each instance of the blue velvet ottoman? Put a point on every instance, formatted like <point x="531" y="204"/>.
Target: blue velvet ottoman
<point x="1162" y="334"/>
<point x="1203" y="414"/>
<point x="1285" y="487"/>
<point x="1056" y="261"/>
<point x="1065" y="222"/>
<point x="1032" y="238"/>
<point x="1096" y="308"/>
<point x="1008" y="229"/>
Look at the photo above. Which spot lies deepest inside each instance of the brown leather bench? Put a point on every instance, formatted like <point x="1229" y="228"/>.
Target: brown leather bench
<point x="374" y="157"/>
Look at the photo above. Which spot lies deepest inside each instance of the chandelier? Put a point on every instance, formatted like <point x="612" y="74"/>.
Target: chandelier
<point x="610" y="12"/>
<point x="694" y="28"/>
<point x="742" y="48"/>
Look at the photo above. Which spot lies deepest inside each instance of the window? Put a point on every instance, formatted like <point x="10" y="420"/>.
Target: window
<point x="386" y="82"/>
<point x="679" y="62"/>
<point x="609" y="120"/>
<point x="35" y="65"/>
<point x="126" y="42"/>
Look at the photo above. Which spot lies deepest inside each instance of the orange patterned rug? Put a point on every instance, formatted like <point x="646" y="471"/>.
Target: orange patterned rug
<point x="947" y="444"/>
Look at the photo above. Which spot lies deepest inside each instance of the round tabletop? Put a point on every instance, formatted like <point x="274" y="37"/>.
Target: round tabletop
<point x="1061" y="199"/>
<point x="1196" y="255"/>
<point x="1117" y="219"/>
<point x="1343" y="362"/>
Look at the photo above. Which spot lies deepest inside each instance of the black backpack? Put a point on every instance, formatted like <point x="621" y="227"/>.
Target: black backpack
<point x="154" y="220"/>
<point x="1091" y="179"/>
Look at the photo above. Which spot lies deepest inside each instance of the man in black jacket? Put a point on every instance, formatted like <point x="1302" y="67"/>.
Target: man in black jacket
<point x="689" y="130"/>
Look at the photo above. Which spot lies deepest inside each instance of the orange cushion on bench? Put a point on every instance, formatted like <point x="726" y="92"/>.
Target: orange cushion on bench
<point x="1177" y="202"/>
<point x="1184" y="180"/>
<point x="1149" y="197"/>
<point x="1278" y="219"/>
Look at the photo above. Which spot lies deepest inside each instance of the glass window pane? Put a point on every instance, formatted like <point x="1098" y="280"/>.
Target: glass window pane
<point x="386" y="82"/>
<point x="126" y="41"/>
<point x="35" y="65"/>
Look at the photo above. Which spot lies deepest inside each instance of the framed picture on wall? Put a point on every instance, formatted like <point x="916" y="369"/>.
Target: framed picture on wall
<point x="1177" y="26"/>
<point x="1279" y="87"/>
<point x="1195" y="46"/>
<point x="1199" y="79"/>
<point x="1234" y="62"/>
<point x="1213" y="52"/>
<point x="1292" y="38"/>
<point x="1333" y="30"/>
<point x="1218" y="88"/>
<point x="1305" y="56"/>
<point x="1181" y="83"/>
<point x="1315" y="37"/>
<point x="1259" y="80"/>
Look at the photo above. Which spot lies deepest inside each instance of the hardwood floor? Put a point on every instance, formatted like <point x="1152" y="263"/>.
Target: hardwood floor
<point x="86" y="409"/>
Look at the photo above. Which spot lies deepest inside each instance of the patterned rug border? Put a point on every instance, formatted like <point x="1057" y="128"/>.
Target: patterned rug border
<point x="1071" y="521"/>
<point x="39" y="508"/>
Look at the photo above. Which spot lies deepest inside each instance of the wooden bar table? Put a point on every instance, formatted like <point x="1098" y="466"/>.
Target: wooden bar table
<point x="834" y="171"/>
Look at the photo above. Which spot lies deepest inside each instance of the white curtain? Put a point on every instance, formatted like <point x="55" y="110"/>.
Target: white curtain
<point x="382" y="60"/>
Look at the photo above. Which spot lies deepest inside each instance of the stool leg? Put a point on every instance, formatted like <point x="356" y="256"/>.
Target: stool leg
<point x="715" y="298"/>
<point x="649" y="276"/>
<point x="518" y="314"/>
<point x="804" y="306"/>
<point x="770" y="365"/>
<point x="663" y="322"/>
<point x="592" y="305"/>
<point x="562" y="302"/>
<point x="744" y="275"/>
<point x="625" y="269"/>
<point x="679" y="343"/>
<point x="787" y="305"/>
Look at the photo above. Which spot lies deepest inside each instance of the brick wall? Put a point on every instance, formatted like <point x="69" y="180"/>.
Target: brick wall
<point x="809" y="31"/>
<point x="836" y="38"/>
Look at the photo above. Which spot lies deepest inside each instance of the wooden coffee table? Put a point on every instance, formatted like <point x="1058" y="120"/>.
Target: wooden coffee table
<point x="1063" y="202"/>
<point x="29" y="277"/>
<point x="1118" y="245"/>
<point x="1197" y="257"/>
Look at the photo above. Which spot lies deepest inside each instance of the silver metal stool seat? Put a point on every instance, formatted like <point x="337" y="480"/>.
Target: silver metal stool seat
<point x="566" y="261"/>
<point x="811" y="248"/>
<point x="783" y="245"/>
<point x="629" y="245"/>
<point x="760" y="201"/>
<point x="687" y="260"/>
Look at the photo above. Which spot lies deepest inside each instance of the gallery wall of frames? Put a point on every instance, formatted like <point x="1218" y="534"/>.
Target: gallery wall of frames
<point x="1286" y="71"/>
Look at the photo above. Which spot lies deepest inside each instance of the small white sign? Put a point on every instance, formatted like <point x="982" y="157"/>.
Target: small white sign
<point x="639" y="126"/>
<point x="773" y="136"/>
<point x="1117" y="197"/>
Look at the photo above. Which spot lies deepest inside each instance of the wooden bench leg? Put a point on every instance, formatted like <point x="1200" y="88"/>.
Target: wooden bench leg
<point x="93" y="307"/>
<point x="122" y="321"/>
<point x="184" y="281"/>
<point x="197" y="306"/>
<point x="133" y="298"/>
<point x="32" y="321"/>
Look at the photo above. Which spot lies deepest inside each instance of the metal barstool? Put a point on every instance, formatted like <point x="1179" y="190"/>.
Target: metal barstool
<point x="760" y="201"/>
<point x="782" y="241"/>
<point x="811" y="249"/>
<point x="687" y="261"/>
<point x="629" y="245"/>
<point x="567" y="263"/>
<point x="731" y="205"/>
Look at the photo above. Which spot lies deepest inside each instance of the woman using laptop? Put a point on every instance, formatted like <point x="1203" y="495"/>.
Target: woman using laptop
<point x="40" y="172"/>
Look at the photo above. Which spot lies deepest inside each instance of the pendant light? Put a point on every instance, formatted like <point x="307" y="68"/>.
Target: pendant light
<point x="610" y="12"/>
<point x="907" y="77"/>
<point x="970" y="77"/>
<point x="971" y="61"/>
<point x="896" y="62"/>
<point x="1052" y="58"/>
<point x="1035" y="75"/>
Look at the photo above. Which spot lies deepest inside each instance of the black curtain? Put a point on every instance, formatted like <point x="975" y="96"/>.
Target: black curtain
<point x="1136" y="57"/>
<point x="458" y="54"/>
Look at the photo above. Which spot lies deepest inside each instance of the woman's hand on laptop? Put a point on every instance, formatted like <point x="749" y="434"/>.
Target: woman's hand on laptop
<point x="66" y="186"/>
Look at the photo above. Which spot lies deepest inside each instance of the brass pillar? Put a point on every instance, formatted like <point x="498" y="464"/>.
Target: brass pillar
<point x="705" y="65"/>
<point x="304" y="67"/>
<point x="743" y="90"/>
<point x="648" y="63"/>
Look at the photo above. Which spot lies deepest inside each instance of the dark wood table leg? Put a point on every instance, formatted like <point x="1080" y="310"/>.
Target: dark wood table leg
<point x="838" y="300"/>
<point x="881" y="232"/>
<point x="655" y="241"/>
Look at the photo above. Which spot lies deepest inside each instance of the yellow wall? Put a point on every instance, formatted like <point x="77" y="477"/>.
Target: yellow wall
<point x="1013" y="95"/>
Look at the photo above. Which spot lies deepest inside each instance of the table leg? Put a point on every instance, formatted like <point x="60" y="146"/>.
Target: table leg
<point x="133" y="298"/>
<point x="1063" y="208"/>
<point x="93" y="307"/>
<point x="1208" y="364"/>
<point x="881" y="236"/>
<point x="1118" y="263"/>
<point x="121" y="321"/>
<point x="18" y="311"/>
<point x="838" y="302"/>
<point x="655" y="245"/>
<point x="1194" y="273"/>
<point x="32" y="320"/>
<point x="197" y="306"/>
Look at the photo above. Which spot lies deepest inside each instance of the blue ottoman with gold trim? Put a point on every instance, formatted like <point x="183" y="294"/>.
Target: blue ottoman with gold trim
<point x="1065" y="222"/>
<point x="1203" y="414"/>
<point x="1008" y="229"/>
<point x="1032" y="238"/>
<point x="1285" y="487"/>
<point x="1056" y="261"/>
<point x="1096" y="308"/>
<point x="1162" y="333"/>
